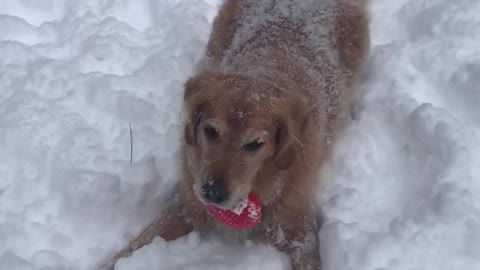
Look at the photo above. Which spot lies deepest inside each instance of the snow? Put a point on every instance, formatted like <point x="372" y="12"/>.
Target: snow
<point x="401" y="191"/>
<point x="192" y="252"/>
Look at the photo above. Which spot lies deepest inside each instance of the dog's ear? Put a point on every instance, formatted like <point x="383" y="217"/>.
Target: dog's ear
<point x="190" y="133"/>
<point x="195" y="115"/>
<point x="190" y="87"/>
<point x="191" y="128"/>
<point x="285" y="153"/>
<point x="290" y="129"/>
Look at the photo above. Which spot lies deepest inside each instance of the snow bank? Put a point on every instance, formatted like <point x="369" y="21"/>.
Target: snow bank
<point x="401" y="192"/>
<point x="70" y="85"/>
<point x="192" y="252"/>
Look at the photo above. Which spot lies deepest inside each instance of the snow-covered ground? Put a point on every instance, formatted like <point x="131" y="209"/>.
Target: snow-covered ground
<point x="402" y="191"/>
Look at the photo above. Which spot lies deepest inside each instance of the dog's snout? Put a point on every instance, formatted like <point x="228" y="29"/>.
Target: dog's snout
<point x="214" y="191"/>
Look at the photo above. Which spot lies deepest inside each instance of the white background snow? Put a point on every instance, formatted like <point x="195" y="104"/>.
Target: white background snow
<point x="402" y="192"/>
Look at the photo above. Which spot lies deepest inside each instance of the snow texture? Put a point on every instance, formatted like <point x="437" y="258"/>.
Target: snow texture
<point x="401" y="191"/>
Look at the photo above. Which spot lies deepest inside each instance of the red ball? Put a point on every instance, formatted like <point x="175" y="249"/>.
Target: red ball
<point x="246" y="214"/>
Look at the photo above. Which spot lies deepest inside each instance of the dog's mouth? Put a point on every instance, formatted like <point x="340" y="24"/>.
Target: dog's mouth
<point x="239" y="206"/>
<point x="234" y="204"/>
<point x="235" y="200"/>
<point x="244" y="214"/>
<point x="242" y="210"/>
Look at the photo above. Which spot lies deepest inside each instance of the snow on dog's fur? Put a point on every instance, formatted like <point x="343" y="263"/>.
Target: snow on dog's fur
<point x="263" y="111"/>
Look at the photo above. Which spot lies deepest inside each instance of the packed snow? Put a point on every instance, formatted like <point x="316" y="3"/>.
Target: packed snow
<point x="401" y="191"/>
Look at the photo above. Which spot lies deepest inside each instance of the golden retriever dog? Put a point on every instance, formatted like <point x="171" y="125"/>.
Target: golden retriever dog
<point x="263" y="109"/>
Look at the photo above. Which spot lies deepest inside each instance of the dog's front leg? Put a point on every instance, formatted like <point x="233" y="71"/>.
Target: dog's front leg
<point x="305" y="253"/>
<point x="297" y="237"/>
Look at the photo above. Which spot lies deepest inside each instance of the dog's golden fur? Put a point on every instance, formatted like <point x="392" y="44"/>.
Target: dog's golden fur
<point x="280" y="73"/>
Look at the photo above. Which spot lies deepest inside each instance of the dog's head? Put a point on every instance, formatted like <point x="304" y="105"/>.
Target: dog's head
<point x="236" y="127"/>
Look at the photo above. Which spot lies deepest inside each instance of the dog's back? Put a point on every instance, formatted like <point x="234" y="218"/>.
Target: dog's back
<point x="326" y="40"/>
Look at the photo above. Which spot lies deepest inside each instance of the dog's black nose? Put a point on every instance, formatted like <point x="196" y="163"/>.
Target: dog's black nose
<point x="214" y="191"/>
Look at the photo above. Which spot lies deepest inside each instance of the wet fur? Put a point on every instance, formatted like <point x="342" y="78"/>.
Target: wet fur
<point x="294" y="84"/>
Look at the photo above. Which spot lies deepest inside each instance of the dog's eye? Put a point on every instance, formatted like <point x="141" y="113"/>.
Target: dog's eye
<point x="253" y="146"/>
<point x="211" y="132"/>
